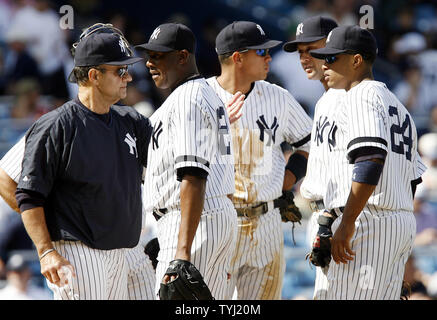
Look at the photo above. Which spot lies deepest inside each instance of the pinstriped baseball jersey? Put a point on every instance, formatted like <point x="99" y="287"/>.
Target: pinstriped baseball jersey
<point x="271" y="116"/>
<point x="11" y="161"/>
<point x="318" y="173"/>
<point x="371" y="116"/>
<point x="191" y="129"/>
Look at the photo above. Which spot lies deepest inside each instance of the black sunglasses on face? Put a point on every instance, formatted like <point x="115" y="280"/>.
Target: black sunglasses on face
<point x="121" y="72"/>
<point x="259" y="52"/>
<point x="331" y="59"/>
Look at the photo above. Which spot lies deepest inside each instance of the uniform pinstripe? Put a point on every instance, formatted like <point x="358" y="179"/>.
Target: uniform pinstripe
<point x="317" y="178"/>
<point x="371" y="115"/>
<point x="140" y="272"/>
<point x="271" y="115"/>
<point x="191" y="129"/>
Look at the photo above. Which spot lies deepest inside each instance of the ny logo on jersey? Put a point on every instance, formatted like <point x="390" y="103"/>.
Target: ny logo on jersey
<point x="157" y="130"/>
<point x="320" y="128"/>
<point x="299" y="29"/>
<point x="132" y="143"/>
<point x="270" y="131"/>
<point x="155" y="34"/>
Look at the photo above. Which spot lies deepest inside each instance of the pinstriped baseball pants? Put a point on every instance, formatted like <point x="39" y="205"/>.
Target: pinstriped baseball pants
<point x="382" y="243"/>
<point x="100" y="274"/>
<point x="258" y="265"/>
<point x="212" y="247"/>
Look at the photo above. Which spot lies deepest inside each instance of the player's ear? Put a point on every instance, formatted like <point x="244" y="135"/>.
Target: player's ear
<point x="236" y="57"/>
<point x="357" y="60"/>
<point x="183" y="56"/>
<point x="92" y="75"/>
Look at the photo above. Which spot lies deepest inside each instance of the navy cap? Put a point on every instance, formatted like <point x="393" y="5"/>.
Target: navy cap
<point x="102" y="48"/>
<point x="351" y="39"/>
<point x="310" y="30"/>
<point x="242" y="35"/>
<point x="170" y="37"/>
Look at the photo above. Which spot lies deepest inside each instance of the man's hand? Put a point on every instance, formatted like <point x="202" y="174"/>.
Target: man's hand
<point x="234" y="107"/>
<point x="53" y="268"/>
<point x="341" y="243"/>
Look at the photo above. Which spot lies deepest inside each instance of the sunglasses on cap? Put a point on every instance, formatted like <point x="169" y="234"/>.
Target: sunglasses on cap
<point x="103" y="28"/>
<point x="259" y="52"/>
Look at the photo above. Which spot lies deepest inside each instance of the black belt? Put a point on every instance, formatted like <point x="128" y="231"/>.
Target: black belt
<point x="158" y="213"/>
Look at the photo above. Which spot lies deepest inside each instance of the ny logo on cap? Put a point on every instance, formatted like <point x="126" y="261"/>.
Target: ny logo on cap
<point x="260" y="30"/>
<point x="329" y="37"/>
<point x="122" y="46"/>
<point x="299" y="29"/>
<point x="155" y="34"/>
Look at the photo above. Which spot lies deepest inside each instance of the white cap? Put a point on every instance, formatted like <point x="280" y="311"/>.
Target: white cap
<point x="428" y="145"/>
<point x="410" y="42"/>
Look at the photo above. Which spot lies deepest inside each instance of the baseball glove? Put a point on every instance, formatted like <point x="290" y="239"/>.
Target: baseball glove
<point x="289" y="211"/>
<point x="188" y="285"/>
<point x="152" y="249"/>
<point x="320" y="254"/>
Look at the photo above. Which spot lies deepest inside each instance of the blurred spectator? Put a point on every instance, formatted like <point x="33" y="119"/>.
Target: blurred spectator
<point x="343" y="11"/>
<point x="19" y="286"/>
<point x="425" y="202"/>
<point x="139" y="100"/>
<point x="432" y="126"/>
<point x="206" y="56"/>
<point x="47" y="45"/>
<point x="13" y="235"/>
<point x="416" y="281"/>
<point x="18" y="63"/>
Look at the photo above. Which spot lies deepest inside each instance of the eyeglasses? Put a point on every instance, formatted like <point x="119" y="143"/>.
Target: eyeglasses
<point x="121" y="72"/>
<point x="331" y="59"/>
<point x="103" y="28"/>
<point x="259" y="52"/>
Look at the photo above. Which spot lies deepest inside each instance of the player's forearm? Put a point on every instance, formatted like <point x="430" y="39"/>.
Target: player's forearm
<point x="358" y="196"/>
<point x="290" y="177"/>
<point x="7" y="190"/>
<point x="192" y="199"/>
<point x="35" y="223"/>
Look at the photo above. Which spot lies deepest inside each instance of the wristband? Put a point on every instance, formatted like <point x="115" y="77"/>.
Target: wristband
<point x="46" y="253"/>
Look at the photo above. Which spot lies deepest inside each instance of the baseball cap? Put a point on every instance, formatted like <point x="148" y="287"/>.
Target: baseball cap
<point x="347" y="39"/>
<point x="16" y="262"/>
<point x="309" y="30"/>
<point x="428" y="145"/>
<point x="242" y="35"/>
<point x="102" y="48"/>
<point x="170" y="37"/>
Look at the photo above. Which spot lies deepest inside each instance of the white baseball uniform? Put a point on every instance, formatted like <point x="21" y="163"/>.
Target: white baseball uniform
<point x="191" y="129"/>
<point x="138" y="267"/>
<point x="371" y="116"/>
<point x="270" y="116"/>
<point x="317" y="178"/>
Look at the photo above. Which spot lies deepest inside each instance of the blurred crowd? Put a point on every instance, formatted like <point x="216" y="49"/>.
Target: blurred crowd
<point x="35" y="60"/>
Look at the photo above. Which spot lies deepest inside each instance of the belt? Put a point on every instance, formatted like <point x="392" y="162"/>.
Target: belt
<point x="251" y="212"/>
<point x="319" y="205"/>
<point x="158" y="213"/>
